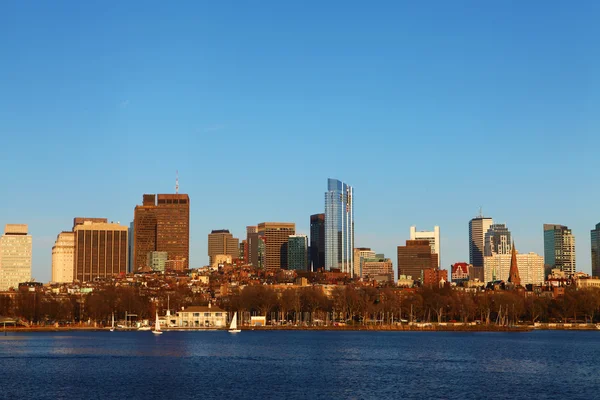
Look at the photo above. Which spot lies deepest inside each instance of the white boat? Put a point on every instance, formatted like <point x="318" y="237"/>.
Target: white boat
<point x="112" y="326"/>
<point x="144" y="328"/>
<point x="233" y="327"/>
<point x="157" y="330"/>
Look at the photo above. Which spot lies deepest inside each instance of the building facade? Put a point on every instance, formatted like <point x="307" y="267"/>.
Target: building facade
<point x="432" y="236"/>
<point x="415" y="257"/>
<point x="157" y="261"/>
<point x="317" y="241"/>
<point x="477" y="229"/>
<point x="15" y="256"/>
<point x="162" y="223"/>
<point x="380" y="269"/>
<point x="595" y="236"/>
<point x="339" y="226"/>
<point x="222" y="242"/>
<point x="297" y="252"/>
<point x="435" y="277"/>
<point x="100" y="250"/>
<point x="559" y="249"/>
<point x="275" y="237"/>
<point x="63" y="258"/>
<point x="497" y="240"/>
<point x="530" y="267"/>
<point x="360" y="254"/>
<point x="460" y="272"/>
<point x="202" y="317"/>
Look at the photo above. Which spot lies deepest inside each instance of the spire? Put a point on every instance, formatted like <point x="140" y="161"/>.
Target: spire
<point x="513" y="275"/>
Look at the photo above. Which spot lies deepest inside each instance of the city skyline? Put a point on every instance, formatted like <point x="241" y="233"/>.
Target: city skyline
<point x="118" y="108"/>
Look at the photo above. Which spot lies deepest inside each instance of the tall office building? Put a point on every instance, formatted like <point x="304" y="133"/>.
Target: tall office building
<point x="415" y="257"/>
<point x="222" y="242"/>
<point x="63" y="257"/>
<point x="497" y="240"/>
<point x="100" y="250"/>
<point x="162" y="223"/>
<point x="339" y="226"/>
<point x="297" y="252"/>
<point x="432" y="236"/>
<point x="595" y="235"/>
<point x="559" y="249"/>
<point x="530" y="267"/>
<point x="360" y="254"/>
<point x="275" y="237"/>
<point x="478" y="227"/>
<point x="15" y="256"/>
<point x="317" y="241"/>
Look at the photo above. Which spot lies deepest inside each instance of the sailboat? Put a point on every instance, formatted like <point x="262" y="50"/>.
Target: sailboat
<point x="233" y="328"/>
<point x="157" y="330"/>
<point x="112" y="327"/>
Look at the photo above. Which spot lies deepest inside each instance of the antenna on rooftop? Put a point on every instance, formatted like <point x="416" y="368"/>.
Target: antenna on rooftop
<point x="177" y="182"/>
<point x="480" y="212"/>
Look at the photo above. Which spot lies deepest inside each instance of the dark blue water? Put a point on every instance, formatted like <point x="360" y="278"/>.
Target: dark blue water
<point x="294" y="365"/>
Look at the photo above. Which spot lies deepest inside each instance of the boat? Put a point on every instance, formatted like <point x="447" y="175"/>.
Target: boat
<point x="233" y="328"/>
<point x="112" y="326"/>
<point x="157" y="330"/>
<point x="144" y="328"/>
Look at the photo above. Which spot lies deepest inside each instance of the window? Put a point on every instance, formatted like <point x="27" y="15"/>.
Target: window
<point x="218" y="314"/>
<point x="206" y="314"/>
<point x="196" y="314"/>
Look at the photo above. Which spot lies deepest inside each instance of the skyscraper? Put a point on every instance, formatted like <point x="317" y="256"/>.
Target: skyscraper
<point x="478" y="227"/>
<point x="275" y="236"/>
<point x="595" y="234"/>
<point x="339" y="226"/>
<point x="415" y="257"/>
<point x="222" y="242"/>
<point x="317" y="241"/>
<point x="497" y="240"/>
<point x="530" y="267"/>
<point x="100" y="250"/>
<point x="15" y="256"/>
<point x="559" y="249"/>
<point x="432" y="236"/>
<point x="297" y="251"/>
<point x="63" y="257"/>
<point x="162" y="223"/>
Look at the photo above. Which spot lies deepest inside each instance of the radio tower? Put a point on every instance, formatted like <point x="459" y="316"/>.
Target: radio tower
<point x="176" y="182"/>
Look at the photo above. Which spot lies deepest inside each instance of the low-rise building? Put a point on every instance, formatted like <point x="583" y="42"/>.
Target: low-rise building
<point x="202" y="317"/>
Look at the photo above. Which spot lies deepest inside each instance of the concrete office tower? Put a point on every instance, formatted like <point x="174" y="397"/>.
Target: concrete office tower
<point x="297" y="252"/>
<point x="275" y="236"/>
<point x="377" y="268"/>
<point x="15" y="256"/>
<point x="477" y="229"/>
<point x="559" y="249"/>
<point x="432" y="236"/>
<point x="162" y="223"/>
<point x="530" y="267"/>
<point x="317" y="241"/>
<point x="63" y="257"/>
<point x="497" y="240"/>
<point x="415" y="257"/>
<point x="100" y="250"/>
<point x="339" y="226"/>
<point x="360" y="254"/>
<point x="595" y="235"/>
<point x="221" y="242"/>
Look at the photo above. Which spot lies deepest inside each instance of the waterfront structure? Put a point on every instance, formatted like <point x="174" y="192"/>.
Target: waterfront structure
<point x="15" y="256"/>
<point x="530" y="268"/>
<point x="435" y="277"/>
<point x="432" y="236"/>
<point x="339" y="227"/>
<point x="202" y="317"/>
<point x="460" y="272"/>
<point x="595" y="236"/>
<point x="275" y="236"/>
<point x="317" y="241"/>
<point x="559" y="249"/>
<point x="360" y="254"/>
<point x="513" y="273"/>
<point x="222" y="242"/>
<point x="63" y="257"/>
<point x="497" y="240"/>
<point x="377" y="268"/>
<point x="157" y="261"/>
<point x="478" y="227"/>
<point x="297" y="252"/>
<point x="415" y="257"/>
<point x="162" y="223"/>
<point x="100" y="250"/>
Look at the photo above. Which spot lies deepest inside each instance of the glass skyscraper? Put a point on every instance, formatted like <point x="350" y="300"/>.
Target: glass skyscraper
<point x="559" y="249"/>
<point x="339" y="226"/>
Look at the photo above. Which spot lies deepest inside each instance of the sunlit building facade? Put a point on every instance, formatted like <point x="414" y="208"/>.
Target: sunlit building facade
<point x="15" y="256"/>
<point x="339" y="226"/>
<point x="63" y="256"/>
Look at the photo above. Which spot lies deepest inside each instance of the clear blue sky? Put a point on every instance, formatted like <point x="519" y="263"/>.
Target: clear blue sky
<point x="429" y="110"/>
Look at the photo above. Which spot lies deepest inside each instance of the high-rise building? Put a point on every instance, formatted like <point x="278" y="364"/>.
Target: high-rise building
<point x="432" y="236"/>
<point x="595" y="235"/>
<point x="15" y="256"/>
<point x="559" y="249"/>
<point x="157" y="261"/>
<point x="477" y="229"/>
<point x="415" y="257"/>
<point x="162" y="223"/>
<point x="339" y="226"/>
<point x="130" y="249"/>
<point x="360" y="254"/>
<point x="530" y="267"/>
<point x="297" y="252"/>
<point x="100" y="250"/>
<point x="275" y="236"/>
<point x="497" y="240"/>
<point x="317" y="241"/>
<point x="63" y="257"/>
<point x="221" y="242"/>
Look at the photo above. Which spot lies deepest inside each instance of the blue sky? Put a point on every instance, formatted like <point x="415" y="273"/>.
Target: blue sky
<point x="429" y="110"/>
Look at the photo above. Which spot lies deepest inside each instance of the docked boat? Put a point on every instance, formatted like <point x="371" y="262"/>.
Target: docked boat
<point x="112" y="326"/>
<point x="233" y="328"/>
<point x="157" y="330"/>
